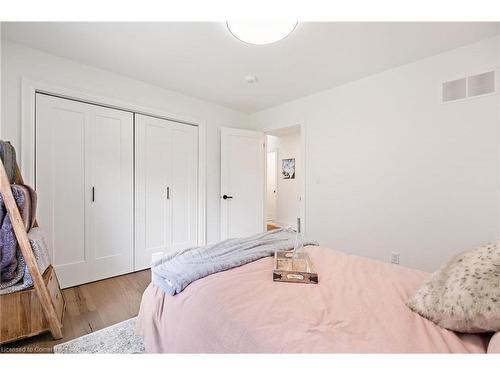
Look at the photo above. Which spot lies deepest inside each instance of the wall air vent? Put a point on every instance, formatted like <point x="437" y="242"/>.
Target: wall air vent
<point x="469" y="87"/>
<point x="481" y="84"/>
<point x="454" y="90"/>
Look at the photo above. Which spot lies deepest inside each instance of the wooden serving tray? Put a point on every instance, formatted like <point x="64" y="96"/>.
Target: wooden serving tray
<point x="298" y="270"/>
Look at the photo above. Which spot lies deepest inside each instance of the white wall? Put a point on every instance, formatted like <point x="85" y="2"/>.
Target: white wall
<point x="19" y="61"/>
<point x="288" y="190"/>
<point x="389" y="168"/>
<point x="498" y="108"/>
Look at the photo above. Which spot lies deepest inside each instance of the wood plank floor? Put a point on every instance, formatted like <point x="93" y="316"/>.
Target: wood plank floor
<point x="91" y="307"/>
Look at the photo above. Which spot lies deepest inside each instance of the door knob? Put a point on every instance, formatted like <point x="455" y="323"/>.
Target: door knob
<point x="227" y="197"/>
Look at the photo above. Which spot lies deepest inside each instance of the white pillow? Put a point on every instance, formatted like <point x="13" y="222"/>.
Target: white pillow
<point x="463" y="295"/>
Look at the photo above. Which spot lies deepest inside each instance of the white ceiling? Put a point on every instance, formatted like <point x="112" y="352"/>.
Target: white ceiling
<point x="205" y="61"/>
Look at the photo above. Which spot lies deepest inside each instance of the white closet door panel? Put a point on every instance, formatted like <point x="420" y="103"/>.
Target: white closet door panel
<point x="60" y="182"/>
<point x="166" y="158"/>
<point x="112" y="180"/>
<point x="157" y="172"/>
<point x="80" y="146"/>
<point x="184" y="194"/>
<point x="153" y="145"/>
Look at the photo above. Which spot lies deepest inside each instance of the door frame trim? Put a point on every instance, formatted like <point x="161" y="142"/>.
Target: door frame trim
<point x="29" y="89"/>
<point x="276" y="166"/>
<point x="302" y="166"/>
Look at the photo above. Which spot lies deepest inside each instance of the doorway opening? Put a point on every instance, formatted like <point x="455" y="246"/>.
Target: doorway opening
<point x="284" y="178"/>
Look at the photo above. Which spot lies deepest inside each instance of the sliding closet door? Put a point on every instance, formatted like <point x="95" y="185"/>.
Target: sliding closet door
<point x="84" y="181"/>
<point x="166" y="178"/>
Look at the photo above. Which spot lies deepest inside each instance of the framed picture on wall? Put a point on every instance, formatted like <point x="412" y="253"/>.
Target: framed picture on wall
<point x="288" y="168"/>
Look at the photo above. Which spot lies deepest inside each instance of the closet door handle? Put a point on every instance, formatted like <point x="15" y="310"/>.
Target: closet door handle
<point x="168" y="192"/>
<point x="93" y="194"/>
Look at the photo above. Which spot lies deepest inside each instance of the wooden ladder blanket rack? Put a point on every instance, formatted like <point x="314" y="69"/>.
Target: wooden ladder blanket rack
<point x="40" y="308"/>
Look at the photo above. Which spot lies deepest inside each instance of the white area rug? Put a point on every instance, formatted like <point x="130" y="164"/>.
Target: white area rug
<point x="116" y="339"/>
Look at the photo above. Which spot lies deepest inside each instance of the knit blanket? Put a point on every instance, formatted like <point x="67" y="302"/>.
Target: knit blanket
<point x="14" y="274"/>
<point x="174" y="272"/>
<point x="23" y="278"/>
<point x="25" y="198"/>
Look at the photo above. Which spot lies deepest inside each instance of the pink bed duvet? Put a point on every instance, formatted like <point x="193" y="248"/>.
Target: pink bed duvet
<point x="357" y="307"/>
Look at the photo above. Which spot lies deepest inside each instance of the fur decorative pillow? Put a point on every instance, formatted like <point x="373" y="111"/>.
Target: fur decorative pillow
<point x="464" y="294"/>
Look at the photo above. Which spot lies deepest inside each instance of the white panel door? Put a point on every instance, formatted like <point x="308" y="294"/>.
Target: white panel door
<point x="62" y="132"/>
<point x="166" y="180"/>
<point x="242" y="183"/>
<point x="84" y="183"/>
<point x="111" y="224"/>
<point x="184" y="186"/>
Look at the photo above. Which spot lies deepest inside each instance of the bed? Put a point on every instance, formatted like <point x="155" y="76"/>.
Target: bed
<point x="357" y="307"/>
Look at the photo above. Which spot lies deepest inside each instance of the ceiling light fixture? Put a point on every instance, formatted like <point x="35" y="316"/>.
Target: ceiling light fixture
<point x="261" y="32"/>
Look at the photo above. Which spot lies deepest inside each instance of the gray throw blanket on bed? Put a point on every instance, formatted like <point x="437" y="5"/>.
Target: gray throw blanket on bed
<point x="174" y="272"/>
